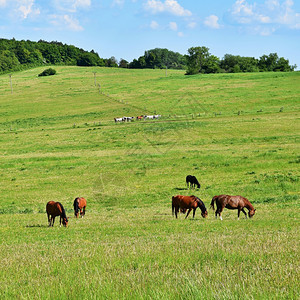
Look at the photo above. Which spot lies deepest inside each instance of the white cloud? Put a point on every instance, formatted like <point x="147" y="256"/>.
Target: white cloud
<point x="119" y="3"/>
<point x="173" y="26"/>
<point x="2" y="3"/>
<point x="66" y="21"/>
<point x="169" y="6"/>
<point x="180" y="34"/>
<point x="71" y="5"/>
<point x="154" y="25"/>
<point x="192" y="25"/>
<point x="25" y="9"/>
<point x="212" y="22"/>
<point x="242" y="8"/>
<point x="267" y="16"/>
<point x="72" y="24"/>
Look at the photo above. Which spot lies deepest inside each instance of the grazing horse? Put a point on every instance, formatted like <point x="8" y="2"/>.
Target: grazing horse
<point x="55" y="209"/>
<point x="128" y="119"/>
<point x="79" y="205"/>
<point x="140" y="117"/>
<point x="232" y="202"/>
<point x="149" y="117"/>
<point x="192" y="180"/>
<point x="187" y="202"/>
<point x="118" y="120"/>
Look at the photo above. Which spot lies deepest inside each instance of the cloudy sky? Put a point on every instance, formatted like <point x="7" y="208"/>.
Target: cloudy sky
<point x="126" y="28"/>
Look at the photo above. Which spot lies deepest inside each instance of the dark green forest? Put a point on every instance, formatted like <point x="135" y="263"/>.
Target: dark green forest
<point x="19" y="55"/>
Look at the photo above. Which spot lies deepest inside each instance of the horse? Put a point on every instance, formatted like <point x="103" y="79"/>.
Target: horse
<point x="127" y="119"/>
<point x="149" y="117"/>
<point x="156" y="116"/>
<point x="192" y="180"/>
<point x="55" y="209"/>
<point x="232" y="202"/>
<point x="140" y="117"/>
<point x="188" y="202"/>
<point x="118" y="120"/>
<point x="79" y="205"/>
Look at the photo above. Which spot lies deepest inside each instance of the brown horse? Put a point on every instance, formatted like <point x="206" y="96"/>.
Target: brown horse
<point x="55" y="209"/>
<point x="232" y="202"/>
<point x="79" y="205"/>
<point x="187" y="202"/>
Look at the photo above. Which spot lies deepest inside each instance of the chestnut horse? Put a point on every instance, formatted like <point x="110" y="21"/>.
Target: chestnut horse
<point x="188" y="202"/>
<point x="79" y="204"/>
<point x="232" y="202"/>
<point x="55" y="209"/>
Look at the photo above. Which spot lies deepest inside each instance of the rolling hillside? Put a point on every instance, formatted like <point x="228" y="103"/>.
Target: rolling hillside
<point x="238" y="133"/>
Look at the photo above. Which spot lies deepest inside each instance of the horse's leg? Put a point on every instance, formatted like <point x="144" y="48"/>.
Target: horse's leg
<point x="219" y="210"/>
<point x="239" y="210"/>
<point x="188" y="213"/>
<point x="194" y="210"/>
<point x="220" y="216"/>
<point x="83" y="214"/>
<point x="243" y="210"/>
<point x="176" y="211"/>
<point x="53" y="219"/>
<point x="49" y="220"/>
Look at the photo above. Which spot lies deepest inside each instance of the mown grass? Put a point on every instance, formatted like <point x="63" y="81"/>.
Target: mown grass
<point x="238" y="133"/>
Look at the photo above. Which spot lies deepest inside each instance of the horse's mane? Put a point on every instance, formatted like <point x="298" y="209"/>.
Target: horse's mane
<point x="201" y="204"/>
<point x="63" y="212"/>
<point x="248" y="204"/>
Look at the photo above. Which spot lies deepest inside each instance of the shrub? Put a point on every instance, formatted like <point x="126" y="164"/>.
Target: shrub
<point x="48" y="72"/>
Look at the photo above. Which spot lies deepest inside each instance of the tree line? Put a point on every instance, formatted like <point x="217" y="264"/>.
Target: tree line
<point x="19" y="55"/>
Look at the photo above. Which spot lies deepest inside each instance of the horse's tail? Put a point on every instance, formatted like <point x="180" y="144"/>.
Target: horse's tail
<point x="212" y="203"/>
<point x="76" y="207"/>
<point x="173" y="206"/>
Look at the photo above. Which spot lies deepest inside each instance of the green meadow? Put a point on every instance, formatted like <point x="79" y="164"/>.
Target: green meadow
<point x="237" y="133"/>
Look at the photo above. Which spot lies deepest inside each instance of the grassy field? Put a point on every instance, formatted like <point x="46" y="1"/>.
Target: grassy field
<point x="237" y="133"/>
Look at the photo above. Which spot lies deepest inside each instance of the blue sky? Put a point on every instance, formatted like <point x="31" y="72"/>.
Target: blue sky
<point x="126" y="28"/>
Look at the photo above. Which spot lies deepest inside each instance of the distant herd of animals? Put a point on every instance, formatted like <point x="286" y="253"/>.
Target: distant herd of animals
<point x="138" y="118"/>
<point x="179" y="203"/>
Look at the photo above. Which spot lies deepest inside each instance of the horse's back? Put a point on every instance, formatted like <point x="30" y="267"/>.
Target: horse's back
<point x="229" y="201"/>
<point x="81" y="202"/>
<point x="183" y="201"/>
<point x="53" y="208"/>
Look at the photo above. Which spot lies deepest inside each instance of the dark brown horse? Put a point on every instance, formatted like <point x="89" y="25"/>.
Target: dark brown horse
<point x="55" y="209"/>
<point x="192" y="181"/>
<point x="232" y="202"/>
<point x="188" y="202"/>
<point x="79" y="205"/>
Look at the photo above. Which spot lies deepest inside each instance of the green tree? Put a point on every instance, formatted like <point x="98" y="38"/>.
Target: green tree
<point x="197" y="59"/>
<point x="123" y="63"/>
<point x="111" y="62"/>
<point x="87" y="59"/>
<point x="212" y="65"/>
<point x="8" y="61"/>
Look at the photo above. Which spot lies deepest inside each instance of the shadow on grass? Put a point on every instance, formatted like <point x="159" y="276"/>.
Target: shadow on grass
<point x="36" y="226"/>
<point x="180" y="189"/>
